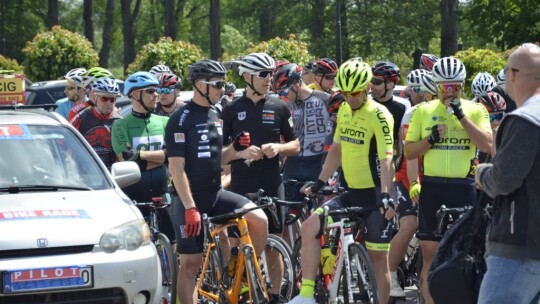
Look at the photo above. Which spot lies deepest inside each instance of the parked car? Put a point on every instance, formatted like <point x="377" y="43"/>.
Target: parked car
<point x="69" y="234"/>
<point x="47" y="92"/>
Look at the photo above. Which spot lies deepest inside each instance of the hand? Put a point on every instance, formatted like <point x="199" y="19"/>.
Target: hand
<point x="251" y="153"/>
<point x="242" y="141"/>
<point x="193" y="222"/>
<point x="270" y="150"/>
<point x="414" y="192"/>
<point x="386" y="206"/>
<point x="131" y="155"/>
<point x="455" y="104"/>
<point x="477" y="176"/>
<point x="437" y="131"/>
<point x="313" y="187"/>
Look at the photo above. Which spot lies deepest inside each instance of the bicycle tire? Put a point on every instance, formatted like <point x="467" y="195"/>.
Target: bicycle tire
<point x="212" y="273"/>
<point x="277" y="244"/>
<point x="169" y="266"/>
<point x="363" y="277"/>
<point x="257" y="292"/>
<point x="290" y="238"/>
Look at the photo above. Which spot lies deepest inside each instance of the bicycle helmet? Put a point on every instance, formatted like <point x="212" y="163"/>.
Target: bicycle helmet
<point x="139" y="80"/>
<point x="308" y="67"/>
<point x="334" y="102"/>
<point x="493" y="102"/>
<point x="414" y="77"/>
<point x="170" y="80"/>
<point x="106" y="86"/>
<point x="387" y="70"/>
<point x="428" y="84"/>
<point x="427" y="61"/>
<point x="230" y="88"/>
<point x="206" y="69"/>
<point x="449" y="69"/>
<point x="354" y="75"/>
<point x="256" y="62"/>
<point x="99" y="72"/>
<point x="325" y="66"/>
<point x="79" y="78"/>
<point x="280" y="63"/>
<point x="159" y="69"/>
<point x="482" y="83"/>
<point x="287" y="76"/>
<point x="501" y="78"/>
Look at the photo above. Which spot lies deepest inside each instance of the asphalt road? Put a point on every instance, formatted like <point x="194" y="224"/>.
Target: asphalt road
<point x="411" y="297"/>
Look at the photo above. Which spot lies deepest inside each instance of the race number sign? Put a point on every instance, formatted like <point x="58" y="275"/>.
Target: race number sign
<point x="12" y="89"/>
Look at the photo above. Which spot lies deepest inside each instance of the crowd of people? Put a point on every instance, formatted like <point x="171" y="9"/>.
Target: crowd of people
<point x="405" y="156"/>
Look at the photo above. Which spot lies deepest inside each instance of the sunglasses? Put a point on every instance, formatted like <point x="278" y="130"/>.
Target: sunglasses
<point x="150" y="91"/>
<point x="107" y="99"/>
<point x="263" y="74"/>
<point x="449" y="87"/>
<point x="70" y="88"/>
<point x="164" y="90"/>
<point x="496" y="116"/>
<point x="376" y="81"/>
<point x="416" y="90"/>
<point x="352" y="94"/>
<point x="216" y="84"/>
<point x="329" y="77"/>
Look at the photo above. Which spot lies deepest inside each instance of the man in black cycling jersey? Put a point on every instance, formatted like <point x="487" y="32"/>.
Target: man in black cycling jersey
<point x="194" y="141"/>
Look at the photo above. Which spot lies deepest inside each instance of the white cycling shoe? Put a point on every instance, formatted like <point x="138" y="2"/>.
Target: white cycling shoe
<point x="301" y="300"/>
<point x="396" y="291"/>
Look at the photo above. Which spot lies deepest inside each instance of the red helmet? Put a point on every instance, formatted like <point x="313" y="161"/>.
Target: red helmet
<point x="288" y="75"/>
<point x="493" y="102"/>
<point x="427" y="61"/>
<point x="325" y="66"/>
<point x="387" y="70"/>
<point x="170" y="80"/>
<point x="334" y="102"/>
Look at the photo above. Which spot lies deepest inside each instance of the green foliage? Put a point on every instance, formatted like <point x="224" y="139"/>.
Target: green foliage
<point x="10" y="64"/>
<point x="480" y="60"/>
<point x="50" y="55"/>
<point x="232" y="41"/>
<point x="290" y="49"/>
<point x="177" y="55"/>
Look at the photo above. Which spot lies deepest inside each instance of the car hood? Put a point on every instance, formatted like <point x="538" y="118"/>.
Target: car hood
<point x="67" y="218"/>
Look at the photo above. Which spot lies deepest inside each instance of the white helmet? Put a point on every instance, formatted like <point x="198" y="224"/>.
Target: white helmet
<point x="482" y="83"/>
<point x="428" y="84"/>
<point x="449" y="69"/>
<point x="414" y="77"/>
<point x="256" y="62"/>
<point x="106" y="86"/>
<point x="159" y="69"/>
<point x="78" y="76"/>
<point x="501" y="78"/>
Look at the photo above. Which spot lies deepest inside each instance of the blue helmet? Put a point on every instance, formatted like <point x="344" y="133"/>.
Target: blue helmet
<point x="139" y="80"/>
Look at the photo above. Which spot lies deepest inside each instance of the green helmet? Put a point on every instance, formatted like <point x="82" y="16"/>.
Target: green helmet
<point x="354" y="75"/>
<point x="99" y="72"/>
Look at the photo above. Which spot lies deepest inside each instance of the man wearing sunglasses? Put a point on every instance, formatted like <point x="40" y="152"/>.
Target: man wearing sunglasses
<point x="324" y="70"/>
<point x="513" y="179"/>
<point x="75" y="94"/>
<point x="168" y="92"/>
<point x="446" y="132"/>
<point x="90" y="77"/>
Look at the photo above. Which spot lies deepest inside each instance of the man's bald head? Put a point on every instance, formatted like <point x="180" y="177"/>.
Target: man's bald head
<point x="523" y="73"/>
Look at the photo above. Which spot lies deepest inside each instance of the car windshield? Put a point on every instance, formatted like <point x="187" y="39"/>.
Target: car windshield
<point x="43" y="155"/>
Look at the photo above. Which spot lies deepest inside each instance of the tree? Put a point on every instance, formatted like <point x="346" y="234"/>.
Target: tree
<point x="53" y="13"/>
<point x="481" y="60"/>
<point x="215" y="30"/>
<point x="107" y="34"/>
<point x="88" y="12"/>
<point x="170" y="25"/>
<point x="128" y="29"/>
<point x="449" y="27"/>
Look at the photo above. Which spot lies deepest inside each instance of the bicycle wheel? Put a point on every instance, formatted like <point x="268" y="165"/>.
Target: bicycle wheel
<point x="276" y="246"/>
<point x="169" y="265"/>
<point x="363" y="284"/>
<point x="257" y="292"/>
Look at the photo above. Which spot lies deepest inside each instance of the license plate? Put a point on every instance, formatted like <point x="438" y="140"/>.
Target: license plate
<point x="27" y="280"/>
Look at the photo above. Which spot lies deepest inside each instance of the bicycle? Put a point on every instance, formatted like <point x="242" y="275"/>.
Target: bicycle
<point x="447" y="216"/>
<point x="167" y="257"/>
<point x="352" y="279"/>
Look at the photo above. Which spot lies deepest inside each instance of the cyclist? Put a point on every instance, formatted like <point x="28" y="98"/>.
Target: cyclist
<point x="95" y="123"/>
<point x="310" y="119"/>
<point x="428" y="86"/>
<point x="159" y="70"/>
<point x="75" y="91"/>
<point x="325" y="70"/>
<point x="500" y="88"/>
<point x="363" y="146"/>
<point x="195" y="166"/>
<point x="259" y="122"/>
<point x="308" y="76"/>
<point x="168" y="92"/>
<point x="427" y="61"/>
<point x="482" y="83"/>
<point x="228" y="95"/>
<point x="92" y="74"/>
<point x="446" y="132"/>
<point x="495" y="105"/>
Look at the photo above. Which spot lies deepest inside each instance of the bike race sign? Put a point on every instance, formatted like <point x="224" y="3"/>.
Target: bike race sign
<point x="12" y="89"/>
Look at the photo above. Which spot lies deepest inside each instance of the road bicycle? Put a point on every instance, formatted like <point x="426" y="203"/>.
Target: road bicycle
<point x="167" y="257"/>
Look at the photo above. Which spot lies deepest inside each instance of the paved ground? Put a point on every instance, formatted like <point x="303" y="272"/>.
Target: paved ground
<point x="411" y="296"/>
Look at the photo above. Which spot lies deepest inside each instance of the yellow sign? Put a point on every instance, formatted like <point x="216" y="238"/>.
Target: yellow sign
<point x="12" y="89"/>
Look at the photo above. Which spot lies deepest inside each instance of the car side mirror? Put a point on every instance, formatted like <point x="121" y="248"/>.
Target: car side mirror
<point x="125" y="173"/>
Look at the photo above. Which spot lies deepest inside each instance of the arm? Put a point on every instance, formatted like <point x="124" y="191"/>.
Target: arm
<point x="181" y="182"/>
<point x="480" y="138"/>
<point x="332" y="162"/>
<point x="386" y="174"/>
<point x="290" y="148"/>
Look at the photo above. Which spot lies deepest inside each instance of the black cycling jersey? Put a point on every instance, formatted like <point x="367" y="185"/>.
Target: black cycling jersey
<point x="96" y="129"/>
<point x="194" y="133"/>
<point x="267" y="121"/>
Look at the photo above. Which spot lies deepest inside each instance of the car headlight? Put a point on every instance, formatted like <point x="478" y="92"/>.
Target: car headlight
<point x="129" y="236"/>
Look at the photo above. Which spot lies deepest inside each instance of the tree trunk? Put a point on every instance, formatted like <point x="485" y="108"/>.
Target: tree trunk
<point x="170" y="25"/>
<point x="449" y="27"/>
<point x="215" y="30"/>
<point x="52" y="13"/>
<point x="266" y="22"/>
<point x="88" y="12"/>
<point x="108" y="29"/>
<point x="128" y="29"/>
<point x="346" y="53"/>
<point x="317" y="27"/>
<point x="179" y="13"/>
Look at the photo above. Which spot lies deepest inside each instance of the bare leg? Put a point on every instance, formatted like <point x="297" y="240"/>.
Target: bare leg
<point x="428" y="251"/>
<point x="187" y="274"/>
<point x="382" y="273"/>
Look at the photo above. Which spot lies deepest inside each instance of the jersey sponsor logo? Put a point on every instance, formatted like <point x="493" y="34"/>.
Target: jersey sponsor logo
<point x="183" y="117"/>
<point x="204" y="137"/>
<point x="202" y="131"/>
<point x="386" y="130"/>
<point x="268" y="117"/>
<point x="148" y="143"/>
<point x="204" y="147"/>
<point x="352" y="140"/>
<point x="352" y="132"/>
<point x="179" y="138"/>
<point x="242" y="115"/>
<point x="204" y="154"/>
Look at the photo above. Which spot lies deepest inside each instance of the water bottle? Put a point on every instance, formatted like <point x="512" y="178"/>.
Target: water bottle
<point x="231" y="266"/>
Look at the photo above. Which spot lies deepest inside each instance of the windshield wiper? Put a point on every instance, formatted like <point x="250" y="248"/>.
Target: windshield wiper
<point x="17" y="189"/>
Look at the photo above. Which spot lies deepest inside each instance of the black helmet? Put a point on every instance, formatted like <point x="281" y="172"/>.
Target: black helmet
<point x="206" y="69"/>
<point x="387" y="70"/>
<point x="325" y="66"/>
<point x="287" y="75"/>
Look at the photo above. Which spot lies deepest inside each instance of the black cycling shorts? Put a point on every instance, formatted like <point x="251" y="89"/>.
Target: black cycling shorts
<point x="405" y="205"/>
<point x="453" y="193"/>
<point x="213" y="204"/>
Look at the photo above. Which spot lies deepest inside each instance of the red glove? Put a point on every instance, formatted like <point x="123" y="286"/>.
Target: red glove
<point x="242" y="141"/>
<point x="193" y="222"/>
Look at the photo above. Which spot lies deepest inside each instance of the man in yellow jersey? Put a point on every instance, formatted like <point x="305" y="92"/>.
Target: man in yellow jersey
<point x="325" y="75"/>
<point x="363" y="146"/>
<point x="446" y="132"/>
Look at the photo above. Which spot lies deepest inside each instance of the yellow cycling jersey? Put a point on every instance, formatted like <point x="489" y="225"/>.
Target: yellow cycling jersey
<point x="365" y="136"/>
<point x="454" y="155"/>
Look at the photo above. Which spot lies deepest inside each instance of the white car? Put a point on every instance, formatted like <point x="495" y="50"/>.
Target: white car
<point x="69" y="234"/>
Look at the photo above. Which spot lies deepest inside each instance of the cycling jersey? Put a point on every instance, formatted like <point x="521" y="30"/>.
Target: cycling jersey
<point x="401" y="173"/>
<point x="77" y="109"/>
<point x="397" y="107"/>
<point x="366" y="137"/>
<point x="159" y="109"/>
<point x="454" y="155"/>
<point x="96" y="129"/>
<point x="63" y="107"/>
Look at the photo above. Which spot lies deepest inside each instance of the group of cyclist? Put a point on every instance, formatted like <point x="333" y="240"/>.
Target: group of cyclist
<point x="404" y="156"/>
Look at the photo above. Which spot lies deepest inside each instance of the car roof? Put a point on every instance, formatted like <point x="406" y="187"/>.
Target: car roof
<point x="28" y="115"/>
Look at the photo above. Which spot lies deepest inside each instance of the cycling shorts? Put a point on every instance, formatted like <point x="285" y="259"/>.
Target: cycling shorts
<point x="405" y="206"/>
<point x="213" y="204"/>
<point x="451" y="192"/>
<point x="377" y="231"/>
